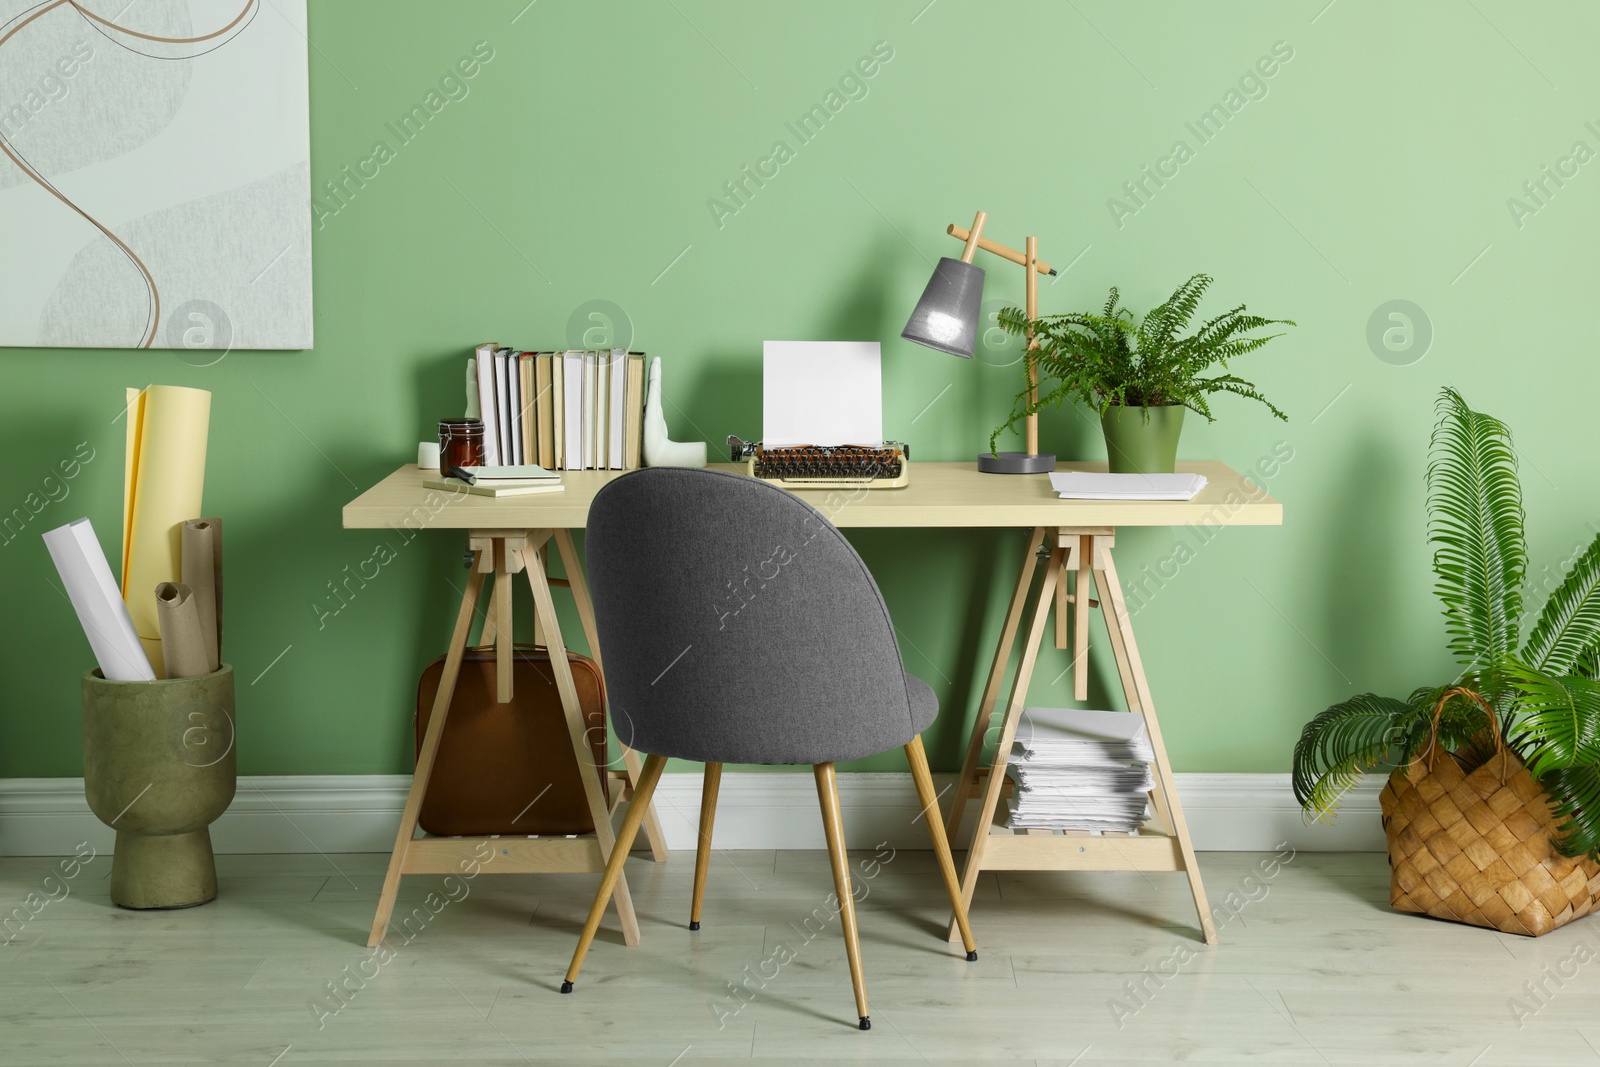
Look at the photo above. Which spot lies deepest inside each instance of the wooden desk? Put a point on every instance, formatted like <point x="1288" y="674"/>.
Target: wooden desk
<point x="940" y="495"/>
<point x="1074" y="539"/>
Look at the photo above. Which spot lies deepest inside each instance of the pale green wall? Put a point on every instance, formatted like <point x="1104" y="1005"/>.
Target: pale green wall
<point x="1377" y="167"/>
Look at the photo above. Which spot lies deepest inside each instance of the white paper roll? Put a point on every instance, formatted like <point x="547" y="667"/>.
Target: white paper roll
<point x="93" y="591"/>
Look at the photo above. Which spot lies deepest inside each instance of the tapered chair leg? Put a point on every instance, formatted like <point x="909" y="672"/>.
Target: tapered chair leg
<point x="637" y="808"/>
<point x="833" y="827"/>
<point x="921" y="775"/>
<point x="702" y="856"/>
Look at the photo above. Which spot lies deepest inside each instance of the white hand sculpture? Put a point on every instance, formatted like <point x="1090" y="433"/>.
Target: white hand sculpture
<point x="658" y="450"/>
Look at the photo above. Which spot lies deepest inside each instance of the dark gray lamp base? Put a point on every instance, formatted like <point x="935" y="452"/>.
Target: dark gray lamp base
<point x="1016" y="463"/>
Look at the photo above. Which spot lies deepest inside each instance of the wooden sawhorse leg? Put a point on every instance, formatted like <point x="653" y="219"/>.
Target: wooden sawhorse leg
<point x="1119" y="625"/>
<point x="968" y="780"/>
<point x="995" y="782"/>
<point x="997" y="847"/>
<point x="501" y="554"/>
<point x="579" y="588"/>
<point x="428" y="752"/>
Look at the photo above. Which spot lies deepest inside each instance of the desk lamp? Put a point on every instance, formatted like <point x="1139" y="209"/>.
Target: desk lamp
<point x="946" y="320"/>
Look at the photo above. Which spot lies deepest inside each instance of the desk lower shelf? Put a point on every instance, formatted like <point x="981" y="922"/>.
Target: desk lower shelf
<point x="516" y="853"/>
<point x="511" y="855"/>
<point x="1149" y="849"/>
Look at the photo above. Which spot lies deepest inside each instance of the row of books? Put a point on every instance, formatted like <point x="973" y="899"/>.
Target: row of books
<point x="572" y="410"/>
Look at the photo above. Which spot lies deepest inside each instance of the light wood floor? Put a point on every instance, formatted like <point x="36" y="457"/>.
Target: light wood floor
<point x="1314" y="970"/>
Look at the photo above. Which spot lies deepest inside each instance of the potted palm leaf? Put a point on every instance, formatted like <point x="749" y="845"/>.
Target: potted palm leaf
<point x="1519" y="700"/>
<point x="1138" y="374"/>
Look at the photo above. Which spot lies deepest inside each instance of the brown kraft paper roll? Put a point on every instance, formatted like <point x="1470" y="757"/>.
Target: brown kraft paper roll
<point x="202" y="573"/>
<point x="183" y="645"/>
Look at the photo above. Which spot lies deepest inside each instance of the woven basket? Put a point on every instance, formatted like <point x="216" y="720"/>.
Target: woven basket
<point x="1476" y="846"/>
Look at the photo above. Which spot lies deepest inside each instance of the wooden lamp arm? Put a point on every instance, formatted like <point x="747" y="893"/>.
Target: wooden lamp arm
<point x="1003" y="251"/>
<point x="971" y="237"/>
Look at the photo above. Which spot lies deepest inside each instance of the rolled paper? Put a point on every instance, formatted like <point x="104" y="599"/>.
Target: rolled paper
<point x="202" y="573"/>
<point x="163" y="481"/>
<point x="94" y="595"/>
<point x="181" y="639"/>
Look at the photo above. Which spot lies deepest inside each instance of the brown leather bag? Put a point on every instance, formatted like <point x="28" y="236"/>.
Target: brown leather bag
<point x="495" y="759"/>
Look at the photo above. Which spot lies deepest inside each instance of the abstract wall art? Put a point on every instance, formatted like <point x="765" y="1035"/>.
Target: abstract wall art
<point x="154" y="174"/>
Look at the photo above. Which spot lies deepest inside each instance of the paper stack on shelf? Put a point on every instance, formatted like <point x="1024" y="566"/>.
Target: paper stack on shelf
<point x="1073" y="769"/>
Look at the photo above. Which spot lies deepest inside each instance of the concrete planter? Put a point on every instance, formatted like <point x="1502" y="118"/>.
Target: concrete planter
<point x="159" y="768"/>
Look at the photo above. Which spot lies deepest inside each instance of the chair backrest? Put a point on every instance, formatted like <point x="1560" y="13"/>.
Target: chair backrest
<point x="738" y="625"/>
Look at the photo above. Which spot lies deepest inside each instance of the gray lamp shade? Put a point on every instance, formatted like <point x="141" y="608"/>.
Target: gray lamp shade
<point x="946" y="318"/>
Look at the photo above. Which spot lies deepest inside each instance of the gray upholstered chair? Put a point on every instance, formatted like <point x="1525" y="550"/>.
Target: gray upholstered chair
<point x="741" y="627"/>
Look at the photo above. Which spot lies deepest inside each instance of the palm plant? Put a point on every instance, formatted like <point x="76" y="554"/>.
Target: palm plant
<point x="1110" y="358"/>
<point x="1541" y="688"/>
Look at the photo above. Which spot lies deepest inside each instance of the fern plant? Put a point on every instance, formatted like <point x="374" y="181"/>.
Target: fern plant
<point x="1108" y="358"/>
<point x="1541" y="688"/>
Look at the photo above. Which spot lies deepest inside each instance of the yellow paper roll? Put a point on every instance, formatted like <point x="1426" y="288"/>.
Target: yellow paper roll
<point x="164" y="480"/>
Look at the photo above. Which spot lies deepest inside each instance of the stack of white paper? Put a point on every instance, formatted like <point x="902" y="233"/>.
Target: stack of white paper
<point x="98" y="602"/>
<point x="1079" y="737"/>
<point x="821" y="393"/>
<point x="1083" y="485"/>
<point x="1079" y="770"/>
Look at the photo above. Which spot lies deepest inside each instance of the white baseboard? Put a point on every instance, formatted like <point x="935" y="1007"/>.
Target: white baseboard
<point x="756" y="810"/>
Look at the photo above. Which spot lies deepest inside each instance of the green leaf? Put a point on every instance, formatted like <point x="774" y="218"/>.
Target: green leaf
<point x="1227" y="383"/>
<point x="1568" y="629"/>
<point x="1173" y="315"/>
<point x="1574" y="794"/>
<point x="1374" y="733"/>
<point x="1475" y="524"/>
<point x="1557" y="719"/>
<point x="1341" y="744"/>
<point x="1112" y="358"/>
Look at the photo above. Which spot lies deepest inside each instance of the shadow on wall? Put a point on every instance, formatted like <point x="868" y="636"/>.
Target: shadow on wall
<point x="861" y="308"/>
<point x="441" y="393"/>
<point x="946" y="615"/>
<point x="698" y="400"/>
<point x="726" y="383"/>
<point x="1069" y="432"/>
<point x="61" y="468"/>
<point x="1358" y="574"/>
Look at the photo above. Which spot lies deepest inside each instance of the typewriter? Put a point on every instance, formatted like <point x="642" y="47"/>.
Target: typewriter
<point x="885" y="466"/>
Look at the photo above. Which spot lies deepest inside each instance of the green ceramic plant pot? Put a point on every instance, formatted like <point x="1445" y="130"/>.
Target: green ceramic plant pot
<point x="1142" y="440"/>
<point x="158" y="768"/>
